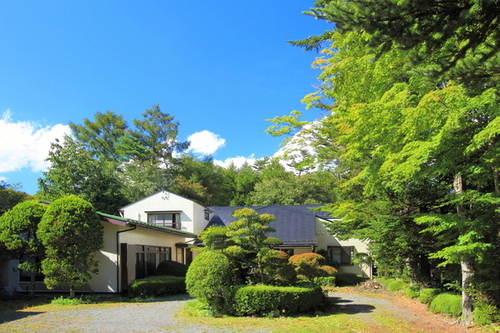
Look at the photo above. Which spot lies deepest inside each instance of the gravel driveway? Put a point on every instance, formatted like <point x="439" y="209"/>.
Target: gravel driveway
<point x="158" y="316"/>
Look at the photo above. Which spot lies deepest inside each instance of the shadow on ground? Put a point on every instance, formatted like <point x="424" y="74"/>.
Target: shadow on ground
<point x="347" y="306"/>
<point x="16" y="316"/>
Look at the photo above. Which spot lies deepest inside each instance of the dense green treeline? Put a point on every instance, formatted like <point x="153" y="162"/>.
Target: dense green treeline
<point x="411" y="94"/>
<point x="111" y="163"/>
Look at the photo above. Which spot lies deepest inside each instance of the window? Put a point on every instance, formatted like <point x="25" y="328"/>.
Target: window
<point x="341" y="254"/>
<point x="171" y="220"/>
<point x="147" y="258"/>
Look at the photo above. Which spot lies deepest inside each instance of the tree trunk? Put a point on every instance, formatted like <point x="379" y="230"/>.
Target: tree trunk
<point x="467" y="300"/>
<point x="466" y="267"/>
<point x="71" y="292"/>
<point x="33" y="276"/>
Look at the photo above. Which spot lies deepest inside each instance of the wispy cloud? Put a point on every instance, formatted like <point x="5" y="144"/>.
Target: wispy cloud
<point x="205" y="142"/>
<point x="237" y="161"/>
<point x="25" y="144"/>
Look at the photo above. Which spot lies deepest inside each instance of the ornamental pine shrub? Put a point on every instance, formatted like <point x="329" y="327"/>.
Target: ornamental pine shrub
<point x="448" y="304"/>
<point x="263" y="300"/>
<point x="276" y="269"/>
<point x="171" y="268"/>
<point x="157" y="286"/>
<point x="311" y="265"/>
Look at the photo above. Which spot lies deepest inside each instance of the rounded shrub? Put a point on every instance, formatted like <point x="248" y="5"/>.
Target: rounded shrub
<point x="157" y="286"/>
<point x="210" y="278"/>
<point x="311" y="265"/>
<point x="412" y="291"/>
<point x="171" y="268"/>
<point x="426" y="295"/>
<point x="324" y="281"/>
<point x="448" y="304"/>
<point x="264" y="300"/>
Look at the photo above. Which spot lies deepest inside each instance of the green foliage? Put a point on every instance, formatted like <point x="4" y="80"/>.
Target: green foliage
<point x="428" y="294"/>
<point x="324" y="281"/>
<point x="10" y="195"/>
<point x="412" y="291"/>
<point x="397" y="285"/>
<point x="348" y="279"/>
<point x="75" y="171"/>
<point x="210" y="278"/>
<point x="448" y="304"/>
<point x="157" y="286"/>
<point x="485" y="314"/>
<point x="18" y="233"/>
<point x="171" y="268"/>
<point x="276" y="269"/>
<point x="71" y="232"/>
<point x="311" y="265"/>
<point x="262" y="300"/>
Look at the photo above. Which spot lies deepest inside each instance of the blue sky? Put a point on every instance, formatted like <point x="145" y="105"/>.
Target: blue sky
<point x="220" y="67"/>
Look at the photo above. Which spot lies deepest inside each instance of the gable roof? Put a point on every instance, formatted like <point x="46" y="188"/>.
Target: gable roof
<point x="295" y="225"/>
<point x="122" y="221"/>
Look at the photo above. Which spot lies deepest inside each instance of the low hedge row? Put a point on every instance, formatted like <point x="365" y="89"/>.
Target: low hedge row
<point x="264" y="300"/>
<point x="348" y="279"/>
<point x="157" y="286"/>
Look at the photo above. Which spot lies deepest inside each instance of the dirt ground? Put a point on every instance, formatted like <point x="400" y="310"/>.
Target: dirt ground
<point x="409" y="310"/>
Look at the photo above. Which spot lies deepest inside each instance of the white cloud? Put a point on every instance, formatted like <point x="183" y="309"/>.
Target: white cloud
<point x="205" y="142"/>
<point x="237" y="161"/>
<point x="25" y="144"/>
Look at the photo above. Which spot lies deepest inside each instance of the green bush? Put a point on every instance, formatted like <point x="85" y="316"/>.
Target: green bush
<point x="157" y="286"/>
<point x="262" y="300"/>
<point x="348" y="279"/>
<point x="311" y="265"/>
<point x="210" y="278"/>
<point x="397" y="285"/>
<point x="413" y="291"/>
<point x="446" y="303"/>
<point x="276" y="269"/>
<point x="171" y="268"/>
<point x="485" y="314"/>
<point x="426" y="295"/>
<point x="324" y="281"/>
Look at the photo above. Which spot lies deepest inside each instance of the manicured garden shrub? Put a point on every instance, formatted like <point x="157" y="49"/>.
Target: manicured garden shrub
<point x="426" y="295"/>
<point x="485" y="313"/>
<point x="311" y="265"/>
<point x="446" y="303"/>
<point x="324" y="281"/>
<point x="157" y="286"/>
<point x="348" y="279"/>
<point x="397" y="285"/>
<point x="171" y="268"/>
<point x="277" y="271"/>
<point x="262" y="300"/>
<point x="210" y="278"/>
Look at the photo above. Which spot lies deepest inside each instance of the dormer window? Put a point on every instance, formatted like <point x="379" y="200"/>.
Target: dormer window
<point x="165" y="219"/>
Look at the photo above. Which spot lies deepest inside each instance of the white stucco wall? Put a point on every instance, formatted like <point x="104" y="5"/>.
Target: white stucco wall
<point x="325" y="240"/>
<point x="192" y="214"/>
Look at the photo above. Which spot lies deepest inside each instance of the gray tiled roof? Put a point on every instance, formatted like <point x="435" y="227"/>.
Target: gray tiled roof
<point x="295" y="225"/>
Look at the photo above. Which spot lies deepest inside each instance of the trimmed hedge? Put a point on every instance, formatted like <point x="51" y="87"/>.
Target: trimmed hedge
<point x="171" y="268"/>
<point x="324" y="281"/>
<point x="348" y="279"/>
<point x="426" y="295"/>
<point x="157" y="286"/>
<point x="446" y="303"/>
<point x="263" y="300"/>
